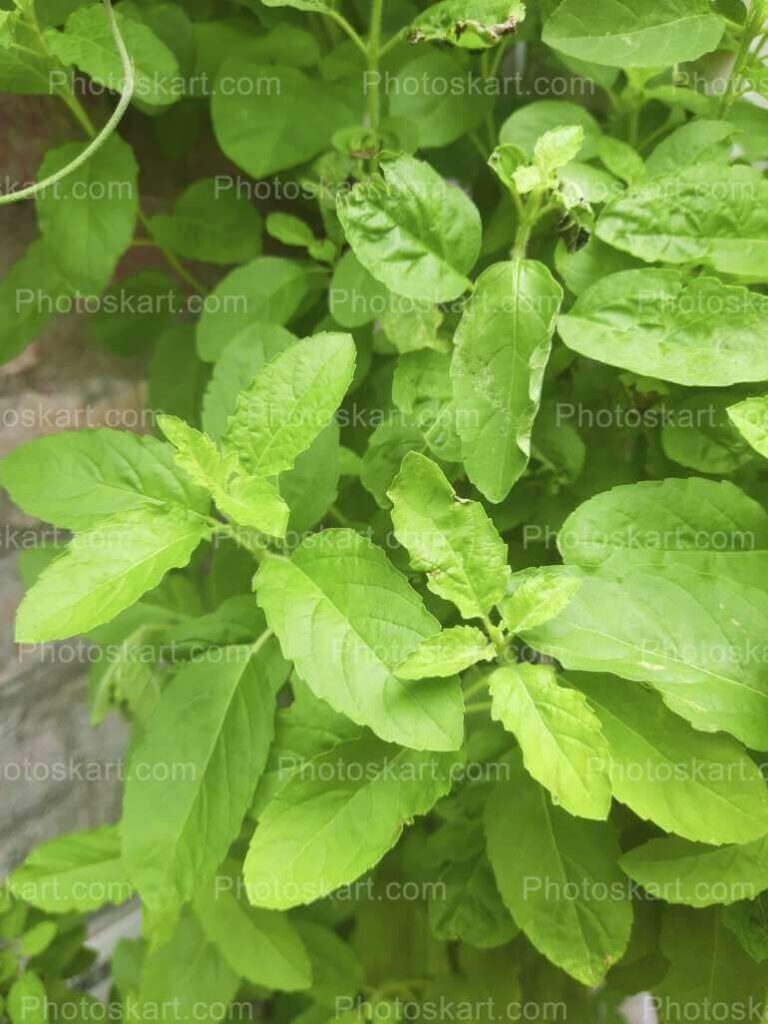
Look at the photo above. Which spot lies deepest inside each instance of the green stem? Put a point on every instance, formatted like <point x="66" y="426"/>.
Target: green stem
<point x="477" y="687"/>
<point x="343" y="23"/>
<point x="129" y="82"/>
<point x="335" y="513"/>
<point x="751" y="30"/>
<point x="496" y="635"/>
<point x="531" y="213"/>
<point x="478" y="144"/>
<point x="490" y="128"/>
<point x="243" y="539"/>
<point x="498" y="56"/>
<point x="657" y="133"/>
<point x="633" y="128"/>
<point x="78" y="111"/>
<point x="170" y="259"/>
<point x="259" y="643"/>
<point x="374" y="55"/>
<point x="396" y="38"/>
<point x="474" y="709"/>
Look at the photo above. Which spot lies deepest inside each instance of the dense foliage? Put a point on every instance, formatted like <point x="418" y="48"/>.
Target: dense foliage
<point x="436" y="594"/>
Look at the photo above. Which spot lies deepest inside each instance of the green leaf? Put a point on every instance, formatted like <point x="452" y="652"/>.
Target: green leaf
<point x="747" y="921"/>
<point x="447" y="653"/>
<point x="27" y="1002"/>
<point x="311" y="6"/>
<point x="37" y="939"/>
<point x="560" y="737"/>
<point x="187" y="973"/>
<point x="77" y="872"/>
<point x="168" y="390"/>
<point x="105" y="569"/>
<point x="709" y="971"/>
<point x="699" y="786"/>
<point x="412" y="230"/>
<point x="268" y="289"/>
<point x="337" y="974"/>
<point x="135" y="311"/>
<point x="23" y="68"/>
<point x="303" y="730"/>
<point x="695" y="142"/>
<point x="718" y="219"/>
<point x="355" y="298"/>
<point x="237" y="365"/>
<point x="558" y="877"/>
<point x="526" y="125"/>
<point x="291" y="400"/>
<point x="557" y="147"/>
<point x="422" y="389"/>
<point x="234" y="236"/>
<point x="709" y="526"/>
<point x="262" y="946"/>
<point x="440" y="116"/>
<point x="582" y="184"/>
<point x="621" y="160"/>
<point x="634" y="34"/>
<point x="750" y="418"/>
<point x="469" y="907"/>
<point x="697" y="433"/>
<point x="412" y="326"/>
<point x="584" y="267"/>
<point x="449" y="538"/>
<point x="24" y="309"/>
<point x="538" y="595"/>
<point x="347" y="618"/>
<point x="87" y="42"/>
<point x="192" y="776"/>
<point x="387" y="446"/>
<point x="665" y="324"/>
<point x="92" y="474"/>
<point x="254" y="501"/>
<point x="268" y="118"/>
<point x="678" y="871"/>
<point x="337" y="817"/>
<point x="312" y="485"/>
<point x="248" y="500"/>
<point x="290" y="230"/>
<point x="196" y="453"/>
<point x="666" y="627"/>
<point x="88" y="219"/>
<point x="466" y="904"/>
<point x="474" y="24"/>
<point x="502" y="346"/>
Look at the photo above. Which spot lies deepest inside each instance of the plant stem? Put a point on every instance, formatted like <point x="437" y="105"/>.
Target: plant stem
<point x="474" y="709"/>
<point x="129" y="83"/>
<point x="490" y="128"/>
<point x="243" y="539"/>
<point x="335" y="513"/>
<point x="477" y="687"/>
<point x="78" y="111"/>
<point x="374" y="55"/>
<point x="259" y="643"/>
<point x="496" y="635"/>
<point x="478" y="144"/>
<point x="396" y="38"/>
<point x="353" y="35"/>
<point x="501" y="49"/>
<point x="172" y="260"/>
<point x="633" y="125"/>
<point x="531" y="213"/>
<point x="752" y="29"/>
